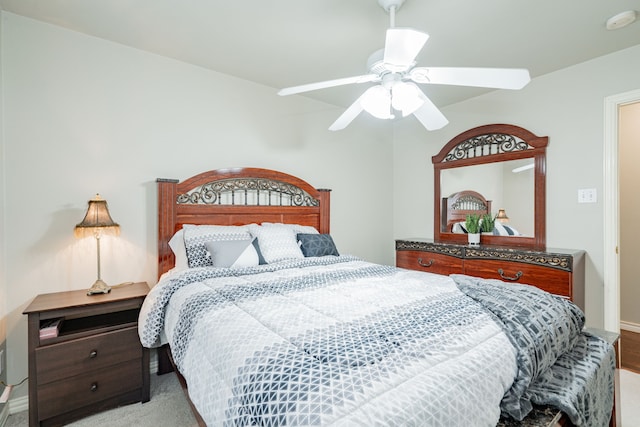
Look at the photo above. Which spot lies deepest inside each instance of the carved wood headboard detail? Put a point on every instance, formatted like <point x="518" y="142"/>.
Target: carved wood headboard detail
<point x="456" y="207"/>
<point x="236" y="196"/>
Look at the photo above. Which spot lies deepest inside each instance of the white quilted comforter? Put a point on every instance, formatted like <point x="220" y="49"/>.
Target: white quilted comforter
<point x="331" y="341"/>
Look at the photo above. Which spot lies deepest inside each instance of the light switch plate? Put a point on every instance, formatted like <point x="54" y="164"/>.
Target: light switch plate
<point x="587" y="195"/>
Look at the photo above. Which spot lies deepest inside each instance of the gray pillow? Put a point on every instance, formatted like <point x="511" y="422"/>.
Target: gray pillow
<point x="317" y="245"/>
<point x="233" y="253"/>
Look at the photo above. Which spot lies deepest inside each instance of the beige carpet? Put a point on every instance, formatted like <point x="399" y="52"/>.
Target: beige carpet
<point x="168" y="407"/>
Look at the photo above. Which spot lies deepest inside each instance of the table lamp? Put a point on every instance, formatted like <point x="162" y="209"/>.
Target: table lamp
<point x="96" y="222"/>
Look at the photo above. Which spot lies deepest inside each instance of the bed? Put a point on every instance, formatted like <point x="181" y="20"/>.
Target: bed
<point x="268" y="323"/>
<point x="457" y="206"/>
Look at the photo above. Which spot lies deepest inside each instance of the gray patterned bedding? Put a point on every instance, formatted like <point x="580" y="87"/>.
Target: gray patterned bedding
<point x="339" y="341"/>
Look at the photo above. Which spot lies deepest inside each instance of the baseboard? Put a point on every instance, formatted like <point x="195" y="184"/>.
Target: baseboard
<point x="4" y="414"/>
<point x="631" y="327"/>
<point x="19" y="404"/>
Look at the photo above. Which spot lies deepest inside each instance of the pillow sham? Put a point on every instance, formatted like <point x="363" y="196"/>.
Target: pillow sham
<point x="504" y="230"/>
<point x="297" y="228"/>
<point x="233" y="253"/>
<point x="317" y="245"/>
<point x="277" y="242"/>
<point x="196" y="237"/>
<point x="177" y="247"/>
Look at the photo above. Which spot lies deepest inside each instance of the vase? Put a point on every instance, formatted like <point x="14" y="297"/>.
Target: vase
<point x="474" y="238"/>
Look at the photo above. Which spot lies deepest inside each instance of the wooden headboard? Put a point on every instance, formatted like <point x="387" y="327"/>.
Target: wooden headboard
<point x="236" y="196"/>
<point x="456" y="207"/>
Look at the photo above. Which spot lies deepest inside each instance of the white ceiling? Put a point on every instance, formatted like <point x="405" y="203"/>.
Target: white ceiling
<point x="281" y="43"/>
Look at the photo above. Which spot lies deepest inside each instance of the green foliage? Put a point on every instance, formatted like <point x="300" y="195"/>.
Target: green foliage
<point x="488" y="223"/>
<point x="472" y="223"/>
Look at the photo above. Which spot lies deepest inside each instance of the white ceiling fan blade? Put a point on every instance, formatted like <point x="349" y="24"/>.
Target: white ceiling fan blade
<point x="401" y="47"/>
<point x="366" y="78"/>
<point x="348" y="115"/>
<point x="429" y="115"/>
<point x="498" y="78"/>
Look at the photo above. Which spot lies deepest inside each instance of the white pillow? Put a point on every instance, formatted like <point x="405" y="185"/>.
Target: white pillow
<point x="177" y="246"/>
<point x="196" y="237"/>
<point x="504" y="230"/>
<point x="459" y="227"/>
<point x="277" y="241"/>
<point x="297" y="228"/>
<point x="232" y="253"/>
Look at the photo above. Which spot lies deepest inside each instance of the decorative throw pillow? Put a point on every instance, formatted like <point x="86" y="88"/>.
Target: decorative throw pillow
<point x="255" y="244"/>
<point x="317" y="245"/>
<point x="233" y="253"/>
<point x="195" y="238"/>
<point x="277" y="242"/>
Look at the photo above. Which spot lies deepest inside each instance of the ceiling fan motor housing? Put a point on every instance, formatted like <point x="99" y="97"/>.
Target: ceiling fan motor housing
<point x="388" y="4"/>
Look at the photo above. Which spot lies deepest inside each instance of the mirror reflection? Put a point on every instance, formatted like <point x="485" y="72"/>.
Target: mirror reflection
<point x="509" y="185"/>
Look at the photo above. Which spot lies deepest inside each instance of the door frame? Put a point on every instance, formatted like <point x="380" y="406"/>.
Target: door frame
<point x="611" y="214"/>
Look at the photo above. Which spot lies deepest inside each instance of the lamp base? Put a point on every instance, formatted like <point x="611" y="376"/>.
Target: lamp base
<point x="99" y="287"/>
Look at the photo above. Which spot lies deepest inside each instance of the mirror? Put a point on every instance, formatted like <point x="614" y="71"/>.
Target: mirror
<point x="506" y="165"/>
<point x="508" y="185"/>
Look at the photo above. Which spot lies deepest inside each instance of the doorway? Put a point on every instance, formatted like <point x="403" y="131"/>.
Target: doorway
<point x="612" y="207"/>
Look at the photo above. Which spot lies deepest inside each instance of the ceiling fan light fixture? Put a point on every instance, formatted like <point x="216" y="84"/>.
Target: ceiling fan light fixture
<point x="377" y="102"/>
<point x="406" y="97"/>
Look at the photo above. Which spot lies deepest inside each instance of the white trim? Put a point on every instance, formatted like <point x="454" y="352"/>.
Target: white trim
<point x="611" y="214"/>
<point x="631" y="327"/>
<point x="19" y="404"/>
<point x="4" y="415"/>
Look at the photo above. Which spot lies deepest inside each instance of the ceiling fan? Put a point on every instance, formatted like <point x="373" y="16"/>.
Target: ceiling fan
<point x="393" y="69"/>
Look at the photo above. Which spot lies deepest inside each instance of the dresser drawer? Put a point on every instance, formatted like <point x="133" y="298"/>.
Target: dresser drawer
<point x="429" y="262"/>
<point x="90" y="354"/>
<point x="89" y="388"/>
<point x="552" y="280"/>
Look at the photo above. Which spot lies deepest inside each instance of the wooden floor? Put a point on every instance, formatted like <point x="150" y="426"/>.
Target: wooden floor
<point x="630" y="350"/>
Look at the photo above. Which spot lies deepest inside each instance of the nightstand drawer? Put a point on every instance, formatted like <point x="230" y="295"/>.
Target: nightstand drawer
<point x="86" y="389"/>
<point x="63" y="360"/>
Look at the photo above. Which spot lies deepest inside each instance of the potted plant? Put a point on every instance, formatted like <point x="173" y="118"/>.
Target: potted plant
<point x="472" y="224"/>
<point x="487" y="224"/>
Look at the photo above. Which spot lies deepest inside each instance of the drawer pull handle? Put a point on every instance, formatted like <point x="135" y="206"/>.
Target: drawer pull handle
<point x="429" y="264"/>
<point x="94" y="387"/>
<point x="93" y="354"/>
<point x="513" y="279"/>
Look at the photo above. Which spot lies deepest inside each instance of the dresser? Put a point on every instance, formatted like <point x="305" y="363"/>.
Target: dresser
<point x="96" y="360"/>
<point x="559" y="271"/>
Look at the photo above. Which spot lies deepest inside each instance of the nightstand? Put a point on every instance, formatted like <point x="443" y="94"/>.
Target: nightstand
<point x="96" y="362"/>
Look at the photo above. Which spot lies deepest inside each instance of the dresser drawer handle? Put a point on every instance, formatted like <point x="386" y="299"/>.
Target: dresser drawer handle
<point x="513" y="279"/>
<point x="429" y="264"/>
<point x="93" y="354"/>
<point x="94" y="387"/>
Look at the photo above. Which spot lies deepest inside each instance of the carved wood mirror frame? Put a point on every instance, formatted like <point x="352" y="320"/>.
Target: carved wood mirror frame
<point x="491" y="144"/>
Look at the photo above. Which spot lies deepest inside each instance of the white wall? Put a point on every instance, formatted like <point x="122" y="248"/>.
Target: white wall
<point x="83" y="115"/>
<point x="567" y="106"/>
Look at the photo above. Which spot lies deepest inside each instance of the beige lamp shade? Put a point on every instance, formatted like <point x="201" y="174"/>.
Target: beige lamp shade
<point x="502" y="216"/>
<point x="97" y="220"/>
